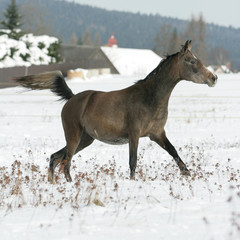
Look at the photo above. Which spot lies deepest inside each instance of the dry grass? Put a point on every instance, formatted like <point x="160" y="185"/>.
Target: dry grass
<point x="108" y="184"/>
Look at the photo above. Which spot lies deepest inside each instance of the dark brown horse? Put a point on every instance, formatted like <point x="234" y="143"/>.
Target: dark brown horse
<point x="122" y="116"/>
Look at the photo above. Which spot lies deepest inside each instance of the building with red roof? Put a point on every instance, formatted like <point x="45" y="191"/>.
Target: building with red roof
<point x="112" y="42"/>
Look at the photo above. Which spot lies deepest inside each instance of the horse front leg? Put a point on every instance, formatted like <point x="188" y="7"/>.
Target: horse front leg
<point x="133" y="146"/>
<point x="163" y="141"/>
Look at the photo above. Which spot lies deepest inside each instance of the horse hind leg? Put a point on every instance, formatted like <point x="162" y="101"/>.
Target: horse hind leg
<point x="55" y="160"/>
<point x="65" y="165"/>
<point x="66" y="162"/>
<point x="85" y="141"/>
<point x="64" y="157"/>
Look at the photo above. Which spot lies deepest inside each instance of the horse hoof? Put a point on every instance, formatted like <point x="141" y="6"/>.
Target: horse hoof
<point x="132" y="177"/>
<point x="186" y="173"/>
<point x="68" y="178"/>
<point x="50" y="177"/>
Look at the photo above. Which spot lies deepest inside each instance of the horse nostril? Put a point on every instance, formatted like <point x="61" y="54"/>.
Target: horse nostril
<point x="214" y="79"/>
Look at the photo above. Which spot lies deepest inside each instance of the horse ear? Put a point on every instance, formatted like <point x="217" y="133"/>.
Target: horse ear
<point x="187" y="46"/>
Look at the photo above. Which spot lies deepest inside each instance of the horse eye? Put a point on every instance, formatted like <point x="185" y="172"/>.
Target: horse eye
<point x="192" y="61"/>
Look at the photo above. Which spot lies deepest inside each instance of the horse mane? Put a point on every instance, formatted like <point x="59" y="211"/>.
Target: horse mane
<point x="155" y="71"/>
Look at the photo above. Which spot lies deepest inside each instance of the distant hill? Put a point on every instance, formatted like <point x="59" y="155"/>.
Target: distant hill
<point x="62" y="19"/>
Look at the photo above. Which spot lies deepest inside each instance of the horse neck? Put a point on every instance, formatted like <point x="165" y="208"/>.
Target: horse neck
<point x="164" y="80"/>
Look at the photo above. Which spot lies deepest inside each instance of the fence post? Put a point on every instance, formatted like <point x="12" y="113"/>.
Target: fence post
<point x="26" y="70"/>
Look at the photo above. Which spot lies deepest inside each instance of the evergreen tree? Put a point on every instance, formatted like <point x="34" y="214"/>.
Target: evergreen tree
<point x="161" y="46"/>
<point x="80" y="41"/>
<point x="37" y="19"/>
<point x="190" y="32"/>
<point x="196" y="31"/>
<point x="87" y="39"/>
<point x="173" y="42"/>
<point x="73" y="39"/>
<point x="54" y="51"/>
<point x="98" y="41"/>
<point x="201" y="48"/>
<point x="13" y="21"/>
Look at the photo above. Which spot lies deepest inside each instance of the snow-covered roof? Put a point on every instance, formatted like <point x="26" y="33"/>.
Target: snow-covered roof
<point x="132" y="61"/>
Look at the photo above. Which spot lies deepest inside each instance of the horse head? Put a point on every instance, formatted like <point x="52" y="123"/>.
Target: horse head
<point x="192" y="69"/>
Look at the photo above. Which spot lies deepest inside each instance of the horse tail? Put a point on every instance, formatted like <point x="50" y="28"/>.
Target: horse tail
<point x="48" y="80"/>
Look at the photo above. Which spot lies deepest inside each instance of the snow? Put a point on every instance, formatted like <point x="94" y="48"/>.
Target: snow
<point x="102" y="202"/>
<point x="132" y="61"/>
<point x="225" y="69"/>
<point x="27" y="44"/>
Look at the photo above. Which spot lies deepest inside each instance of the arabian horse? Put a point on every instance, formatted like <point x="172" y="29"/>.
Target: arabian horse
<point x="123" y="116"/>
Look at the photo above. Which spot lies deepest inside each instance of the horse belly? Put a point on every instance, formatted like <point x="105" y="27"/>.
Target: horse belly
<point x="107" y="134"/>
<point x="115" y="141"/>
<point x="109" y="137"/>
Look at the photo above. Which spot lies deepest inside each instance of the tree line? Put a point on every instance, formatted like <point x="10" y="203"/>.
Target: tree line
<point x="82" y="24"/>
<point x="86" y="39"/>
<point x="169" y="39"/>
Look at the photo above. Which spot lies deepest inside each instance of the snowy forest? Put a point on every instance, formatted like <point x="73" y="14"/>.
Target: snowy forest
<point x="72" y="22"/>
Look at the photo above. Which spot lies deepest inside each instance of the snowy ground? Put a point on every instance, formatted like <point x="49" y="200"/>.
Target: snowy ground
<point x="101" y="202"/>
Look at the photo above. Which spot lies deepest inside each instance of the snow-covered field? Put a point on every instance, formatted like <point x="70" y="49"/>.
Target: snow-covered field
<point x="102" y="202"/>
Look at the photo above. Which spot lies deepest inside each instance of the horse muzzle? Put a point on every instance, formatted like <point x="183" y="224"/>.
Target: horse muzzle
<point x="211" y="82"/>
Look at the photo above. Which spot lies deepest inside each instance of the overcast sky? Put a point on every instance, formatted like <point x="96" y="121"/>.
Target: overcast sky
<point x="220" y="12"/>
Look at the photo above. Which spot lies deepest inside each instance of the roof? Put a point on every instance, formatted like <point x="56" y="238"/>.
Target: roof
<point x="125" y="61"/>
<point x="112" y="41"/>
<point x="132" y="61"/>
<point x="86" y="57"/>
<point x="77" y="52"/>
